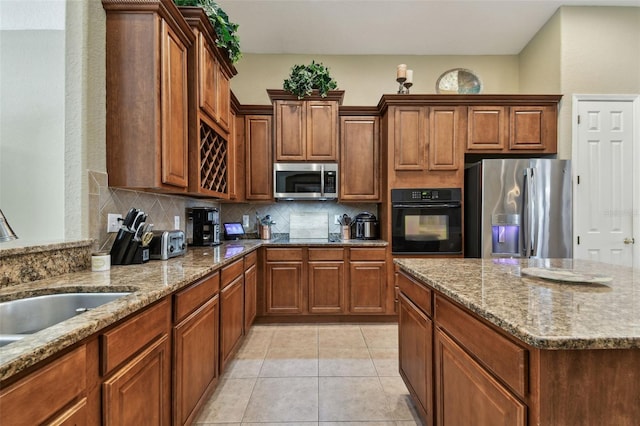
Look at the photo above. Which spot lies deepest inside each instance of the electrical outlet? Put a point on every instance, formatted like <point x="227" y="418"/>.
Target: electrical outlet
<point x="113" y="222"/>
<point x="245" y="221"/>
<point x="336" y="219"/>
<point x="176" y="222"/>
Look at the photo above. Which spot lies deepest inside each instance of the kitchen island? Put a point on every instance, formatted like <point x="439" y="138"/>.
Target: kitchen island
<point x="481" y="342"/>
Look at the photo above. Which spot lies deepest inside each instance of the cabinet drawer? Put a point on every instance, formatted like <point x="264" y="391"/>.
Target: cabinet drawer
<point x="326" y="254"/>
<point x="250" y="259"/>
<point x="134" y="334"/>
<point x="417" y="293"/>
<point x="368" y="254"/>
<point x="507" y="360"/>
<point x="189" y="299"/>
<point x="277" y="254"/>
<point x="34" y="399"/>
<point x="231" y="272"/>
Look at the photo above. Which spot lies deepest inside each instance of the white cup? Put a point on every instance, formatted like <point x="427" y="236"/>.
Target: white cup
<point x="100" y="262"/>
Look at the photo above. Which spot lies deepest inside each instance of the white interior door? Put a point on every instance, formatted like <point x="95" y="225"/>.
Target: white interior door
<point x="606" y="147"/>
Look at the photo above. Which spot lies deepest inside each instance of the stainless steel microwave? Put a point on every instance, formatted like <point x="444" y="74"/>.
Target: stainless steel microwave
<point x="305" y="181"/>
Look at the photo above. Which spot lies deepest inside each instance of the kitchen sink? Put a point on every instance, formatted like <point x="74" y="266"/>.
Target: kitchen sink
<point x="22" y="317"/>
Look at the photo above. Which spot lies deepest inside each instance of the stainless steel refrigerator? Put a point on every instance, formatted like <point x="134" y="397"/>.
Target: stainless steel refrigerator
<point x="518" y="208"/>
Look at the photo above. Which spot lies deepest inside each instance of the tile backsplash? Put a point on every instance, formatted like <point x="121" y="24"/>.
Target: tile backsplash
<point x="162" y="209"/>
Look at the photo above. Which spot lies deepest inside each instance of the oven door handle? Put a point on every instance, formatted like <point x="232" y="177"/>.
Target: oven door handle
<point x="426" y="206"/>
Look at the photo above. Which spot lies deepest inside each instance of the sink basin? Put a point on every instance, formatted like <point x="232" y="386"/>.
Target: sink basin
<point x="29" y="315"/>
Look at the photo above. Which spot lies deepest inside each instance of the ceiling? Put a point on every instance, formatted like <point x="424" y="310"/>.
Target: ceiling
<point x="394" y="27"/>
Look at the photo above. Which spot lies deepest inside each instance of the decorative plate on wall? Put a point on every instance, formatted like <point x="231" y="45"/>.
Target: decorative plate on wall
<point x="459" y="81"/>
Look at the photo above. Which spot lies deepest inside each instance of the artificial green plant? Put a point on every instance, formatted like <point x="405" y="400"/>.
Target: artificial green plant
<point x="305" y="78"/>
<point x="225" y="30"/>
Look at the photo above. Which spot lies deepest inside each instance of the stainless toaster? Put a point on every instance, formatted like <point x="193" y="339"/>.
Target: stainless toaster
<point x="167" y="244"/>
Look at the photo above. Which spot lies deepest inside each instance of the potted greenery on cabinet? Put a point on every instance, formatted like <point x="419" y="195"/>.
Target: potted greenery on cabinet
<point x="225" y="29"/>
<point x="304" y="79"/>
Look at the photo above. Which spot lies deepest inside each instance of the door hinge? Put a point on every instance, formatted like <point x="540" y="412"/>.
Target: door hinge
<point x="578" y="119"/>
<point x="578" y="179"/>
<point x="578" y="240"/>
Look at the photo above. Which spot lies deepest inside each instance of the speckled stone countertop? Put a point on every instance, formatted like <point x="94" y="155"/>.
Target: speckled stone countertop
<point x="148" y="283"/>
<point x="542" y="313"/>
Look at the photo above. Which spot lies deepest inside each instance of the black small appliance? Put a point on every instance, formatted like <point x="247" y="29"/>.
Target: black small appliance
<point x="365" y="226"/>
<point x="203" y="226"/>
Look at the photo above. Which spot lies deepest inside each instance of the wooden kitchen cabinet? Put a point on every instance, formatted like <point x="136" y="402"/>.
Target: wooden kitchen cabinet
<point x="53" y="394"/>
<point x="487" y="128"/>
<point x="136" y="363"/>
<point x="210" y="125"/>
<point x="306" y="130"/>
<point x="231" y="311"/>
<point x="533" y="128"/>
<point x="326" y="281"/>
<point x="446" y="131"/>
<point x="195" y="347"/>
<point x="146" y="95"/>
<point x="359" y="158"/>
<point x="250" y="289"/>
<point x="258" y="158"/>
<point x="284" y="281"/>
<point x="367" y="280"/>
<point x="460" y="378"/>
<point x="410" y="137"/>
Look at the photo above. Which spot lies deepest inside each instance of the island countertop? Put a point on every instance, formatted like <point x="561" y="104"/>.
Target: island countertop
<point x="542" y="313"/>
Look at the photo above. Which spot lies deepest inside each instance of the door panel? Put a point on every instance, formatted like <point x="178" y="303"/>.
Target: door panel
<point x="605" y="187"/>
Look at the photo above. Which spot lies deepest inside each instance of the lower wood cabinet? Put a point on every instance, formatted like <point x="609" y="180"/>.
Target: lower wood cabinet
<point x="40" y="397"/>
<point x="284" y="281"/>
<point x="460" y="378"/>
<point x="231" y="310"/>
<point x="326" y="281"/>
<point x="195" y="361"/>
<point x="139" y="392"/>
<point x="415" y="332"/>
<point x="367" y="281"/>
<point x="250" y="289"/>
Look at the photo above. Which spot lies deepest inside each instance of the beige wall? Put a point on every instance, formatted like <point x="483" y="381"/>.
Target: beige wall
<point x="539" y="65"/>
<point x="599" y="54"/>
<point x="366" y="78"/>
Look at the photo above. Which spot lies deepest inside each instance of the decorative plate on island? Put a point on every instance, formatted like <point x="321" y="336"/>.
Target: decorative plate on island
<point x="459" y="81"/>
<point x="565" y="275"/>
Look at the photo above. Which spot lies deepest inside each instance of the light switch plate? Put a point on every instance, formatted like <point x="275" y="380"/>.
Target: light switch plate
<point x="245" y="221"/>
<point x="113" y="224"/>
<point x="176" y="222"/>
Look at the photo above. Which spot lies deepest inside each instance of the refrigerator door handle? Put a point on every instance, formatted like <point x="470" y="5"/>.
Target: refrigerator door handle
<point x="527" y="206"/>
<point x="533" y="230"/>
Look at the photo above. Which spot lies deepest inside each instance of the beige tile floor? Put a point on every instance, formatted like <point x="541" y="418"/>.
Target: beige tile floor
<point x="344" y="374"/>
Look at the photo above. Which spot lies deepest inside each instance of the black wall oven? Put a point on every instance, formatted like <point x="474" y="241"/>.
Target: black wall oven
<point x="426" y="221"/>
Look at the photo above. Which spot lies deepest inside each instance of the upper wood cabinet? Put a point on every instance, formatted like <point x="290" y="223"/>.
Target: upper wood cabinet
<point x="306" y="130"/>
<point x="146" y="93"/>
<point x="258" y="159"/>
<point x="521" y="126"/>
<point x="360" y="158"/>
<point x="427" y="137"/>
<point x="211" y="152"/>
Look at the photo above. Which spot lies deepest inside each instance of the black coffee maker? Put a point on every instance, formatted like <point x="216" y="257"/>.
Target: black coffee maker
<point x="203" y="226"/>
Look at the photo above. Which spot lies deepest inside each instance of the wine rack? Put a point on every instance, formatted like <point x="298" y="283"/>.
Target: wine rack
<point x="213" y="160"/>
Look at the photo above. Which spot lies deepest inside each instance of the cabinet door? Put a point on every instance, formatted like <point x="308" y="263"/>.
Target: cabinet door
<point x="259" y="164"/>
<point x="367" y="287"/>
<point x="223" y="99"/>
<point x="415" y="334"/>
<point x="445" y="137"/>
<point x="359" y="159"/>
<point x="467" y="394"/>
<point x="174" y="137"/>
<point x="410" y="137"/>
<point x="207" y="81"/>
<point x="139" y="392"/>
<point x="322" y="130"/>
<point x="250" y="295"/>
<point x="195" y="361"/>
<point x="284" y="288"/>
<point x="487" y="128"/>
<point x="532" y="128"/>
<point x="326" y="288"/>
<point x="291" y="143"/>
<point x="231" y="319"/>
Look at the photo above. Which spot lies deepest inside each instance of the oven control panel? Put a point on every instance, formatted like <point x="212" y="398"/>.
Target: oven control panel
<point x="421" y="195"/>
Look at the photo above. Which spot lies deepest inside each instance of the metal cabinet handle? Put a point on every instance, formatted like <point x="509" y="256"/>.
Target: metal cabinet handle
<point x="629" y="240"/>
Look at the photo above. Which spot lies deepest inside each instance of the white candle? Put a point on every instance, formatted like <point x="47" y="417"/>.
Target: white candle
<point x="402" y="71"/>
<point x="409" y="76"/>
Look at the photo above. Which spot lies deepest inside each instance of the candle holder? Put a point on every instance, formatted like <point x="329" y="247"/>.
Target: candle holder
<point x="407" y="85"/>
<point x="402" y="82"/>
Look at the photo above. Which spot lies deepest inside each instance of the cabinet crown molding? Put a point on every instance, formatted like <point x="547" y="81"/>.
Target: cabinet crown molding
<point x="283" y="95"/>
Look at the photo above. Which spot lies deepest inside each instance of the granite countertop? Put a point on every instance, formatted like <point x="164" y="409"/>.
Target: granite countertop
<point x="542" y="313"/>
<point x="147" y="283"/>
